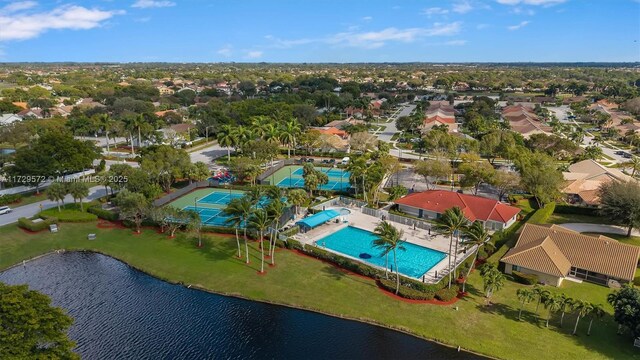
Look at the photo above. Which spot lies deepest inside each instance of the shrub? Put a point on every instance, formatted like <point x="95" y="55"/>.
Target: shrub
<point x="293" y="244"/>
<point x="102" y="213"/>
<point x="447" y="294"/>
<point x="576" y="210"/>
<point x="218" y="229"/>
<point x="292" y="231"/>
<point x="542" y="215"/>
<point x="522" y="278"/>
<point x="9" y="199"/>
<point x="405" y="292"/>
<point x="343" y="262"/>
<point x="36" y="226"/>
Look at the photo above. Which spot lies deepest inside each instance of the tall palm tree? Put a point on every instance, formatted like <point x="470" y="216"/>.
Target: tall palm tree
<point x="104" y="121"/>
<point x="133" y="123"/>
<point x="226" y="137"/>
<point x="57" y="192"/>
<point x="492" y="279"/>
<point x="275" y="209"/>
<point x="271" y="133"/>
<point x="540" y="294"/>
<point x="597" y="311"/>
<point x="255" y="194"/>
<point x="582" y="308"/>
<point x="525" y="296"/>
<point x="235" y="219"/>
<point x="242" y="209"/>
<point x="451" y="223"/>
<point x="260" y="221"/>
<point x="195" y="225"/>
<point x="565" y="304"/>
<point x="242" y="135"/>
<point x="476" y="235"/>
<point x="289" y="132"/>
<point x="552" y="304"/>
<point x="389" y="240"/>
<point x="297" y="197"/>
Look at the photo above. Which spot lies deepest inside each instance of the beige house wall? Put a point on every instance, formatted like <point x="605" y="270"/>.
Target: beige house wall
<point x="542" y="277"/>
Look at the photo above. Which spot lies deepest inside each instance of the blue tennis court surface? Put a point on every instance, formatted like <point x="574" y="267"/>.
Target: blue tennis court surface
<point x="221" y="198"/>
<point x="214" y="217"/>
<point x="338" y="179"/>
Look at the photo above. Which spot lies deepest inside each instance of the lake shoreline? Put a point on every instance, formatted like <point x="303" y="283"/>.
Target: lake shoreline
<point x="243" y="297"/>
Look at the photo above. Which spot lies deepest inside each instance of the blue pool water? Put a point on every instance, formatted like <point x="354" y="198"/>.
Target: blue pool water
<point x="414" y="261"/>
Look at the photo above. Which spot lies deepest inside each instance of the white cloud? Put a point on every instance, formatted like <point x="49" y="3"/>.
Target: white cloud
<point x="456" y="42"/>
<point x="225" y="51"/>
<point x="520" y="11"/>
<point x="144" y="4"/>
<point x="18" y="6"/>
<point x="367" y="18"/>
<point x="22" y="26"/>
<point x="286" y="44"/>
<point x="143" y="19"/>
<point x="435" y="11"/>
<point x="254" y="54"/>
<point x="462" y="7"/>
<point x="482" y="26"/>
<point x="518" y="26"/>
<point x="376" y="39"/>
<point x="531" y="2"/>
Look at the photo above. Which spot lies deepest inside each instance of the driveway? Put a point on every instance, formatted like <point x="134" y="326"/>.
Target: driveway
<point x="32" y="209"/>
<point x="390" y="127"/>
<point x="599" y="228"/>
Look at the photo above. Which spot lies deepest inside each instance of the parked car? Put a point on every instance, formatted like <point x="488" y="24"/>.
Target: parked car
<point x="619" y="152"/>
<point x="5" y="210"/>
<point x="626" y="155"/>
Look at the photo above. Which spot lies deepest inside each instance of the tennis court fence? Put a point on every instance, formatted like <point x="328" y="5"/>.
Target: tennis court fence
<point x="180" y="192"/>
<point x="279" y="165"/>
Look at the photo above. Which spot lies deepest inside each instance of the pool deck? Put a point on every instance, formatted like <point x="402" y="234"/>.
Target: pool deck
<point x="366" y="222"/>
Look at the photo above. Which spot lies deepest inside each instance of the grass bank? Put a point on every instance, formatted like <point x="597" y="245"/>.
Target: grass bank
<point x="307" y="283"/>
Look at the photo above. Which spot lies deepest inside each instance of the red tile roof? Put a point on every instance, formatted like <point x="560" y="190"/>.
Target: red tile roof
<point x="441" y="119"/>
<point x="473" y="207"/>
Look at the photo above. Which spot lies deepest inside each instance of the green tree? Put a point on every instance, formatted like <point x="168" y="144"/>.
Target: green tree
<point x="475" y="235"/>
<point x="475" y="172"/>
<point x="552" y="303"/>
<point x="78" y="190"/>
<point x="432" y="171"/>
<point x="597" y="312"/>
<point x="164" y="164"/>
<point x="260" y="221"/>
<point x="582" y="309"/>
<point x="397" y="192"/>
<point x="451" y="223"/>
<point x="240" y="211"/>
<point x="197" y="171"/>
<point x="132" y="206"/>
<point x="540" y="176"/>
<point x="289" y="132"/>
<point x="275" y="209"/>
<point x="297" y="197"/>
<point x="226" y="138"/>
<point x="492" y="279"/>
<point x="525" y="296"/>
<point x="57" y="192"/>
<point x="194" y="225"/>
<point x="626" y="308"/>
<point x="30" y="328"/>
<point x="389" y="239"/>
<point x="540" y="295"/>
<point x="620" y="202"/>
<point x="565" y="304"/>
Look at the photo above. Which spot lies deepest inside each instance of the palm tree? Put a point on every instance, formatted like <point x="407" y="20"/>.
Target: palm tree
<point x="105" y="122"/>
<point x="525" y="296"/>
<point x="582" y="308"/>
<point x="451" y="223"/>
<point x="57" y="192"/>
<point x="195" y="225"/>
<point x="552" y="304"/>
<point x="540" y="294"/>
<point x="389" y="240"/>
<point x="242" y="135"/>
<point x="235" y="219"/>
<point x="242" y="209"/>
<point x="290" y="130"/>
<point x="297" y="197"/>
<point x="226" y="137"/>
<point x="260" y="221"/>
<point x="254" y="195"/>
<point x="132" y="123"/>
<point x="597" y="311"/>
<point x="613" y="299"/>
<point x="492" y="278"/>
<point x="275" y="209"/>
<point x="78" y="190"/>
<point x="476" y="235"/>
<point x="565" y="304"/>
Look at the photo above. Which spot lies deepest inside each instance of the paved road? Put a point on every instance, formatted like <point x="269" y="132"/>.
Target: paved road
<point x="390" y="127"/>
<point x="599" y="228"/>
<point x="32" y="209"/>
<point x="208" y="154"/>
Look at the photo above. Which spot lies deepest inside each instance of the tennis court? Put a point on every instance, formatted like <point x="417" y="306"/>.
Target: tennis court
<point x="291" y="177"/>
<point x="209" y="203"/>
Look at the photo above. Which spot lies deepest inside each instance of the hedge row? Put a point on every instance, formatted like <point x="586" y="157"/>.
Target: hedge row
<point x="68" y="215"/>
<point x="9" y="199"/>
<point x="447" y="294"/>
<point x="576" y="210"/>
<point x="542" y="215"/>
<point x="405" y="292"/>
<point x="102" y="213"/>
<point x="292" y="231"/>
<point x="345" y="263"/>
<point x="28" y="224"/>
<point x="522" y="278"/>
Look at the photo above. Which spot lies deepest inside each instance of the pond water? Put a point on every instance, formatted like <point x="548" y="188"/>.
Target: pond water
<point x="121" y="313"/>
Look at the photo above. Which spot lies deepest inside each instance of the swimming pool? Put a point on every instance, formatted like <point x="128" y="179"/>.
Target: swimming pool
<point x="414" y="261"/>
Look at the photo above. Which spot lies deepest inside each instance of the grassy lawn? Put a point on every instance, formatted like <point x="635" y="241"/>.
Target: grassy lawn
<point x="574" y="218"/>
<point x="29" y="199"/>
<point x="309" y="283"/>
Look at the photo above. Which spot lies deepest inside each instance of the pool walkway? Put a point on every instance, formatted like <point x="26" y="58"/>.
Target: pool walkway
<point x="368" y="222"/>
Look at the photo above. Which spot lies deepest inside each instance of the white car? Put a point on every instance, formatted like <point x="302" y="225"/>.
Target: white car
<point x="4" y="210"/>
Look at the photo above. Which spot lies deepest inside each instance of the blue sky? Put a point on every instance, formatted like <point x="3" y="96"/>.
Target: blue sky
<point x="320" y="30"/>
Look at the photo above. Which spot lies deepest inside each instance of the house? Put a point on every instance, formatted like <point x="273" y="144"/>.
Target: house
<point x="523" y="120"/>
<point x="31" y="113"/>
<point x="583" y="179"/>
<point x="6" y="119"/>
<point x="437" y="120"/>
<point x="431" y="204"/>
<point x="554" y="253"/>
<point x="165" y="90"/>
<point x="333" y="131"/>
